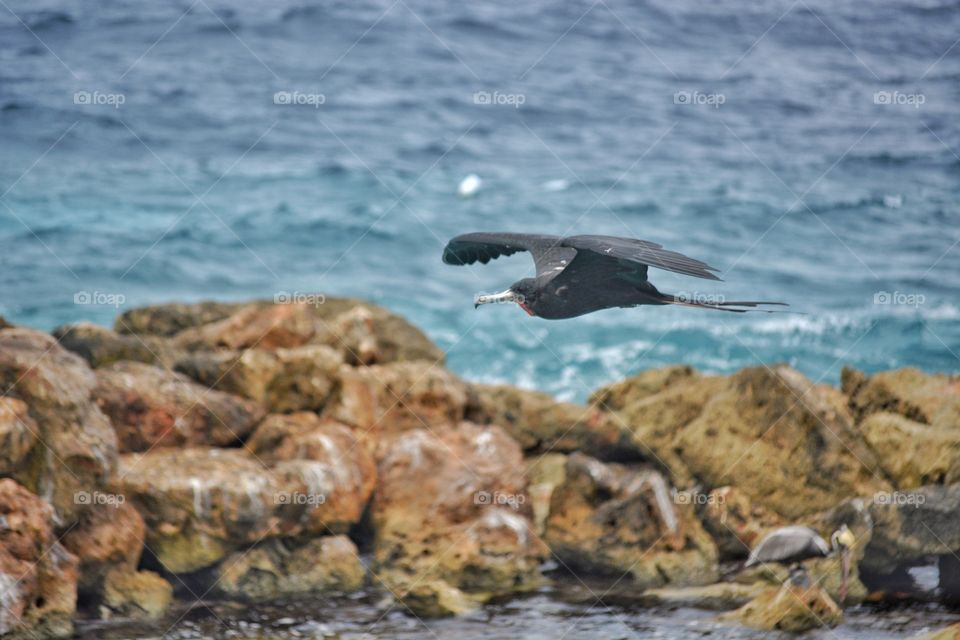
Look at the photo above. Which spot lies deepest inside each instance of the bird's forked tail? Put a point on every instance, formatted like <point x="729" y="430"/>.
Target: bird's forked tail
<point x="720" y="305"/>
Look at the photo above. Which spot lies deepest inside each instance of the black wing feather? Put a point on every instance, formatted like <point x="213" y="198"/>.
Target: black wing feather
<point x="643" y="252"/>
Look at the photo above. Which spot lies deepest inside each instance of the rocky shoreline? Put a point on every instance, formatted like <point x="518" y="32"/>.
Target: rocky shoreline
<point x="257" y="451"/>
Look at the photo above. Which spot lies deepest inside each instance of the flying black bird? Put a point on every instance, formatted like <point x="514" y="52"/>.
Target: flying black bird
<point x="582" y="274"/>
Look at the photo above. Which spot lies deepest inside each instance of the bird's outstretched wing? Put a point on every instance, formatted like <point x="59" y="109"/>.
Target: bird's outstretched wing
<point x="642" y="252"/>
<point x="549" y="253"/>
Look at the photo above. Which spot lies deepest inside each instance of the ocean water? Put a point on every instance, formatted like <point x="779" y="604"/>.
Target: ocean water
<point x="199" y="149"/>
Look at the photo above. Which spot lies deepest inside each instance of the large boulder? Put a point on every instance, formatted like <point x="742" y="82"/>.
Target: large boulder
<point x="295" y="379"/>
<point x="911" y="525"/>
<point x="932" y="399"/>
<point x="385" y="399"/>
<point x="153" y="407"/>
<point x="913" y="454"/>
<point x="362" y="333"/>
<point x="789" y="445"/>
<point x="135" y="594"/>
<point x="108" y="537"/>
<point x="100" y="346"/>
<point x="167" y="320"/>
<point x="617" y="520"/>
<point x="452" y="519"/>
<point x="277" y="568"/>
<point x="76" y="448"/>
<point x="38" y="577"/>
<point x="329" y="454"/>
<point x="541" y="424"/>
<point x="201" y="504"/>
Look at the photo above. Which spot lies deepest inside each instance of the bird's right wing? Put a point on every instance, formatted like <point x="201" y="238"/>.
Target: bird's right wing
<point x="641" y="252"/>
<point x="549" y="253"/>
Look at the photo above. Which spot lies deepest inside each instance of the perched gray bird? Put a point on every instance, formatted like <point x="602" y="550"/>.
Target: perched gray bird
<point x="577" y="275"/>
<point x="791" y="545"/>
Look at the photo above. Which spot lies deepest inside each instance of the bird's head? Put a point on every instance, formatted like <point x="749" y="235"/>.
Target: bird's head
<point x="842" y="539"/>
<point x="523" y="292"/>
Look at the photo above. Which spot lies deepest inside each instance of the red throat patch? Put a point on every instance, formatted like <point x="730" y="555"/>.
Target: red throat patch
<point x="526" y="308"/>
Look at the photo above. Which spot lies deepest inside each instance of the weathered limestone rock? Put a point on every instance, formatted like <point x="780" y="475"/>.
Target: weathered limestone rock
<point x="108" y="537"/>
<point x="296" y="379"/>
<point x="623" y="394"/>
<point x="201" y="504"/>
<point x="100" y="346"/>
<point x="909" y="525"/>
<point x="276" y="569"/>
<point x="361" y="332"/>
<point x="303" y="446"/>
<point x="38" y="577"/>
<point x="386" y="399"/>
<point x="152" y="407"/>
<point x="541" y="424"/>
<point x="450" y="506"/>
<point x="606" y="518"/>
<point x="135" y="594"/>
<point x="789" y="445"/>
<point x="77" y="448"/>
<point x="544" y="474"/>
<point x="18" y="435"/>
<point x="169" y="319"/>
<point x="789" y="608"/>
<point x="913" y="454"/>
<point x="932" y="399"/>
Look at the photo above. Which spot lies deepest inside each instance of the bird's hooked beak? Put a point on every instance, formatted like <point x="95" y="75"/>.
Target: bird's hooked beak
<point x="504" y="296"/>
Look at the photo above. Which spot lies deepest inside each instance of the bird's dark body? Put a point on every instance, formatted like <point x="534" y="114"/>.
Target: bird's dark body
<point x="577" y="275"/>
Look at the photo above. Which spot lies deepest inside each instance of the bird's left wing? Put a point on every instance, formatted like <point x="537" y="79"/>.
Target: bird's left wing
<point x="642" y="252"/>
<point x="549" y="253"/>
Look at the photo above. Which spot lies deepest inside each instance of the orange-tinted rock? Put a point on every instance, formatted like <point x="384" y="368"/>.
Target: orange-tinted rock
<point x="78" y="446"/>
<point x="38" y="577"/>
<point x="451" y="509"/>
<point x="325" y="458"/>
<point x="108" y="537"/>
<point x="153" y="407"/>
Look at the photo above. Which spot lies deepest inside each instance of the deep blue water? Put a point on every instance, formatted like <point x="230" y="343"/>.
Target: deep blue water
<point x="780" y="165"/>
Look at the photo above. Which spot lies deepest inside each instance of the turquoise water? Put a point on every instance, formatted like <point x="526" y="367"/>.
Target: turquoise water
<point x="144" y="159"/>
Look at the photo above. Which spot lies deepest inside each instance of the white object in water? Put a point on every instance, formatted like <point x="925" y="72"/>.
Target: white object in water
<point x="469" y="185"/>
<point x="556" y="185"/>
<point x="893" y="201"/>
